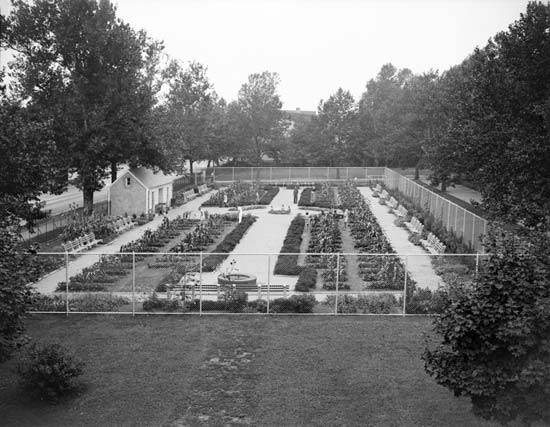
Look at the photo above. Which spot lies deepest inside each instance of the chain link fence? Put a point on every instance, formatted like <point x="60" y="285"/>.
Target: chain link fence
<point x="463" y="223"/>
<point x="219" y="283"/>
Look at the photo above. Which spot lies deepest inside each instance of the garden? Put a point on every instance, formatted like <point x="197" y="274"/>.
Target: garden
<point x="243" y="194"/>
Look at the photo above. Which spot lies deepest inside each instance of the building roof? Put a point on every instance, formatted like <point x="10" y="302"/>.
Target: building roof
<point x="150" y="179"/>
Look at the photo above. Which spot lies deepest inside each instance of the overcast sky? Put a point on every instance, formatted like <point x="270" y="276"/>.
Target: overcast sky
<point x="317" y="46"/>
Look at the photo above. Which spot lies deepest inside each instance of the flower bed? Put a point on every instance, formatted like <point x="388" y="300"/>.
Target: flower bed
<point x="221" y="252"/>
<point x="288" y="264"/>
<point x="243" y="194"/>
<point x="203" y="234"/>
<point x="325" y="196"/>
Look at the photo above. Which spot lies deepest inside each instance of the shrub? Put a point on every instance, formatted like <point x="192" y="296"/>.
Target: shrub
<point x="382" y="201"/>
<point x="424" y="301"/>
<point x="288" y="264"/>
<point x="307" y="279"/>
<point x="154" y="303"/>
<point x="372" y="304"/>
<point x="494" y="337"/>
<point x="294" y="304"/>
<point x="399" y="222"/>
<point x="50" y="371"/>
<point x="415" y="239"/>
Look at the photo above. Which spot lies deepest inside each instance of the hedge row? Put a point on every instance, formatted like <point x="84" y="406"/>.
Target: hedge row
<point x="221" y="252"/>
<point x="288" y="264"/>
<point x="307" y="279"/>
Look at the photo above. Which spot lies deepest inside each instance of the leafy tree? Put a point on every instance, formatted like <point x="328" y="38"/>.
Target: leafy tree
<point x="190" y="102"/>
<point x="336" y="121"/>
<point x="496" y="336"/>
<point x="259" y="116"/>
<point x="88" y="73"/>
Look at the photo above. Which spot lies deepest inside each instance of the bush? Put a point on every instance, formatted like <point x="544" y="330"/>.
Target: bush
<point x="399" y="222"/>
<point x="307" y="279"/>
<point x="415" y="239"/>
<point x="154" y="303"/>
<point x="288" y="264"/>
<point x="372" y="304"/>
<point x="49" y="371"/>
<point x="78" y="303"/>
<point x="424" y="301"/>
<point x="294" y="304"/>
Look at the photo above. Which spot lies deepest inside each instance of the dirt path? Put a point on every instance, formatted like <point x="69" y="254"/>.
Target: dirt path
<point x="355" y="281"/>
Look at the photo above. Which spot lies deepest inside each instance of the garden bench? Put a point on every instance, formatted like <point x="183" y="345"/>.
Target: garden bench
<point x="415" y="226"/>
<point x="384" y="195"/>
<point x="401" y="212"/>
<point x="203" y="189"/>
<point x="433" y="245"/>
<point x="392" y="203"/>
<point x="88" y="241"/>
<point x="378" y="188"/>
<point x="189" y="195"/>
<point x="72" y="246"/>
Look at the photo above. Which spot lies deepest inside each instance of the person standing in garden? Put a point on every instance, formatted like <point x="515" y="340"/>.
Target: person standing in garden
<point x="295" y="195"/>
<point x="240" y="214"/>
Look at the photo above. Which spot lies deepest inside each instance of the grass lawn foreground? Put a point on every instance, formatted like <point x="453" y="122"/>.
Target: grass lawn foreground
<point x="240" y="370"/>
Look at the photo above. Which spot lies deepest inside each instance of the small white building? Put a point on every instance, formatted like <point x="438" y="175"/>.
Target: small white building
<point x="139" y="190"/>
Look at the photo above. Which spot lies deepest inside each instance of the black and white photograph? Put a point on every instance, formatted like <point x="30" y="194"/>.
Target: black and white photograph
<point x="275" y="213"/>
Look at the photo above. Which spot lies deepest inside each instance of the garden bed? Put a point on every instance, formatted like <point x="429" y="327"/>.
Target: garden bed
<point x="243" y="194"/>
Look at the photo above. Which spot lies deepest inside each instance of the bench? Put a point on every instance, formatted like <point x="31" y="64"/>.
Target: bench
<point x="384" y="195"/>
<point x="378" y="188"/>
<point x="203" y="189"/>
<point x="189" y="195"/>
<point x="415" y="226"/>
<point x="392" y="203"/>
<point x="88" y="241"/>
<point x="433" y="245"/>
<point x="82" y="243"/>
<point x="401" y="212"/>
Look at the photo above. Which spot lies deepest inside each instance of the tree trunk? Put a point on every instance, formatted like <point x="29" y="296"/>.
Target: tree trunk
<point x="88" y="193"/>
<point x="417" y="172"/>
<point x="209" y="162"/>
<point x="190" y="165"/>
<point x="444" y="184"/>
<point x="114" y="170"/>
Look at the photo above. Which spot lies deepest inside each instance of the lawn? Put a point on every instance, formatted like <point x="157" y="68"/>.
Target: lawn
<point x="241" y="370"/>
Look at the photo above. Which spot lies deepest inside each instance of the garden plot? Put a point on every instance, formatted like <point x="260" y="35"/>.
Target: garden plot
<point x="265" y="236"/>
<point x="418" y="263"/>
<point x="77" y="263"/>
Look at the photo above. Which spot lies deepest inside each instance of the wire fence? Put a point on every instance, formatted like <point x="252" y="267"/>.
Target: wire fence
<point x="219" y="283"/>
<point x="300" y="175"/>
<point x="461" y="222"/>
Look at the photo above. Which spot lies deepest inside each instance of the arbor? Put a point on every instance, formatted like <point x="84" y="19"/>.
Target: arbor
<point x="190" y="103"/>
<point x="495" y="336"/>
<point x="89" y="75"/>
<point x="260" y="114"/>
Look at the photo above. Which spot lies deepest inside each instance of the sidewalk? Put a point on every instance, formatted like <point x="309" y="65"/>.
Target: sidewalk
<point x="459" y="191"/>
<point x="418" y="261"/>
<point x="77" y="263"/>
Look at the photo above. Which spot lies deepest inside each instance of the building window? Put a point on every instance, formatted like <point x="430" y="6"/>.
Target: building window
<point x="128" y="181"/>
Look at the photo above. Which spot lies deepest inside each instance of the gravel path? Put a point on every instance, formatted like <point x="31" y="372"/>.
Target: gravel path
<point x="417" y="260"/>
<point x="77" y="263"/>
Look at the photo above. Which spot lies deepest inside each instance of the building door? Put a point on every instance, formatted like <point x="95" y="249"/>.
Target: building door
<point x="161" y="195"/>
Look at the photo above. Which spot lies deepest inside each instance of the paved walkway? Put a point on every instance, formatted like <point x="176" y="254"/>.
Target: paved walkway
<point x="77" y="263"/>
<point x="265" y="236"/>
<point x="417" y="259"/>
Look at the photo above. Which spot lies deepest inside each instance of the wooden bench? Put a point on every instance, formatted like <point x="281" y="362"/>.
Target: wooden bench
<point x="384" y="195"/>
<point x="433" y="245"/>
<point x="378" y="188"/>
<point x="203" y="189"/>
<point x="392" y="203"/>
<point x="88" y="241"/>
<point x="189" y="195"/>
<point x="401" y="212"/>
<point x="415" y="226"/>
<point x="72" y="246"/>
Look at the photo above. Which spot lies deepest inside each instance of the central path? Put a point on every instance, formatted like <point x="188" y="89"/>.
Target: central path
<point x="264" y="237"/>
<point x="418" y="262"/>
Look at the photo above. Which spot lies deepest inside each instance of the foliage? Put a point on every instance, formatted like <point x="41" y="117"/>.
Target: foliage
<point x="18" y="269"/>
<point x="78" y="303"/>
<point x="307" y="279"/>
<point x="294" y="304"/>
<point x="92" y="78"/>
<point x="243" y="194"/>
<point x="373" y="304"/>
<point x="154" y="303"/>
<point x="425" y="301"/>
<point x="50" y="371"/>
<point x="494" y="337"/>
<point x="288" y="264"/>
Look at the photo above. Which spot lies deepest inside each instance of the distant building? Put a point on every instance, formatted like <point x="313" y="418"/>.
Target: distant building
<point x="298" y="116"/>
<point x="139" y="190"/>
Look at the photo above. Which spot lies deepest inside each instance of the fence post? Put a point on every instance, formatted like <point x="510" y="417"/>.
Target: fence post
<point x="271" y="173"/>
<point x="233" y="175"/>
<point x="473" y="229"/>
<point x="252" y="174"/>
<point x="200" y="284"/>
<point x="337" y="283"/>
<point x="268" y="279"/>
<point x="133" y="283"/>
<point x="464" y="224"/>
<point x="66" y="283"/>
<point x="477" y="264"/>
<point x="405" y="285"/>
<point x="309" y="174"/>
